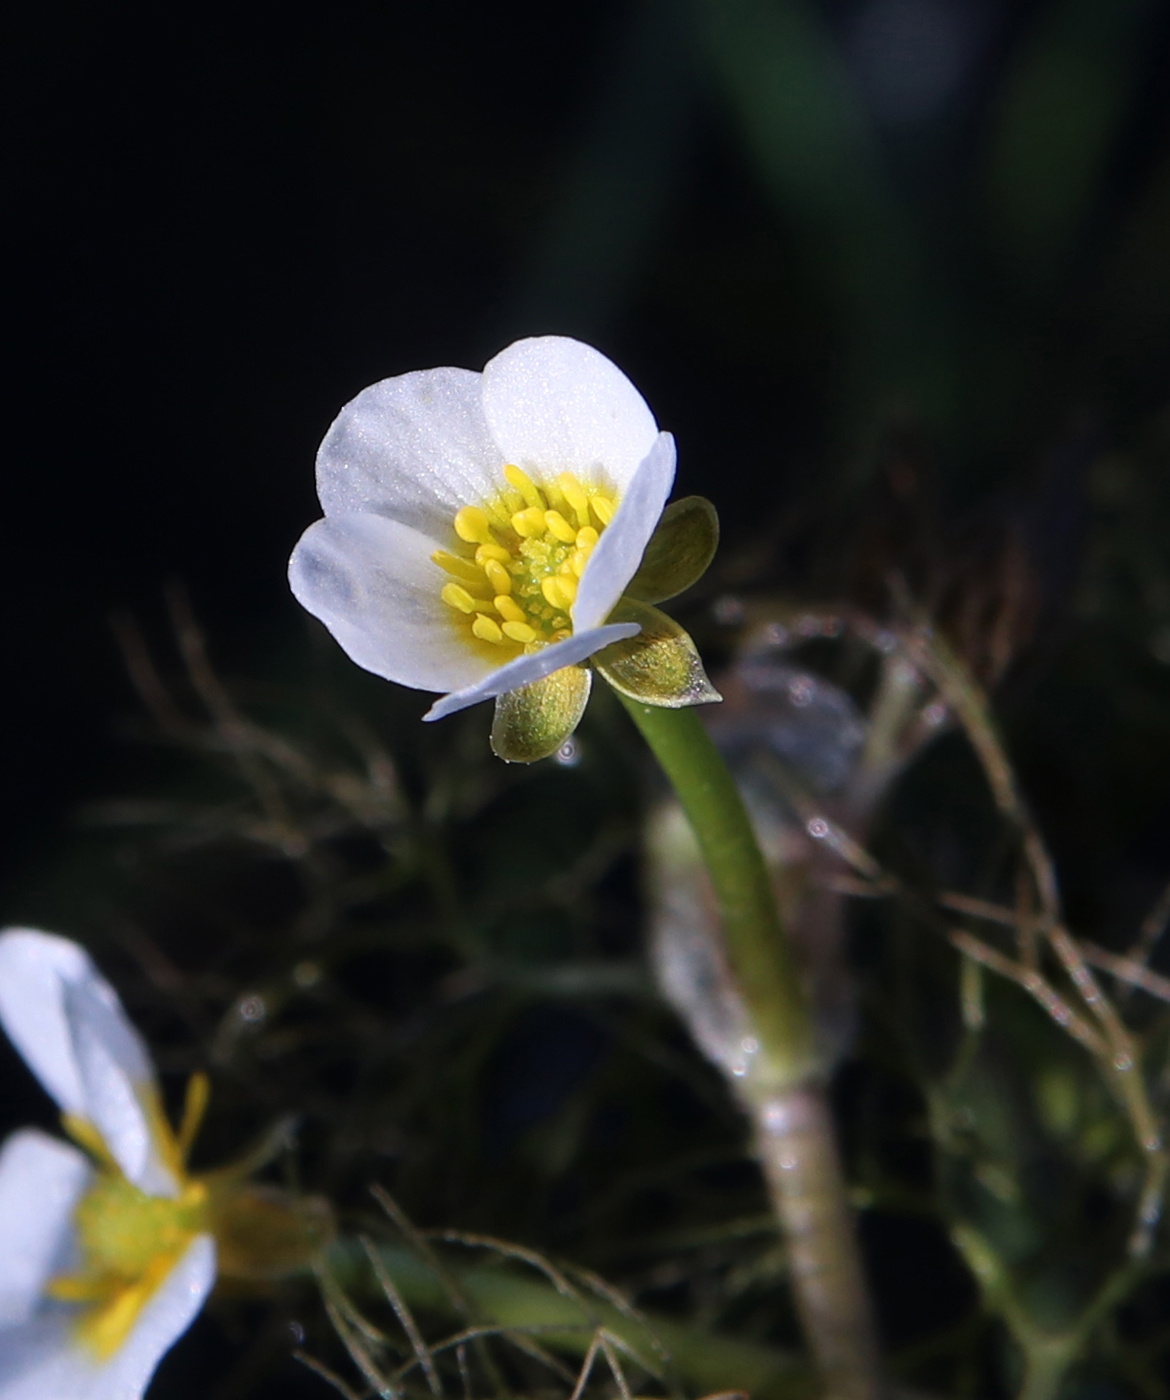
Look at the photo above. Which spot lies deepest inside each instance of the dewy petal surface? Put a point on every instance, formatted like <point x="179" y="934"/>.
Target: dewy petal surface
<point x="41" y="1180"/>
<point x="554" y="405"/>
<point x="619" y="551"/>
<point x="67" y="1022"/>
<point x="45" y="1360"/>
<point x="414" y="448"/>
<point x="526" y="669"/>
<point x="371" y="581"/>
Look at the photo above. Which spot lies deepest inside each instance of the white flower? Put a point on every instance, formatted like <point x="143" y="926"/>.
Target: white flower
<point x="479" y="528"/>
<point x="104" y="1255"/>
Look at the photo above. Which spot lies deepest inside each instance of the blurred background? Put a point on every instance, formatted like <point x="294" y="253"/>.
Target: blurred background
<point x="895" y="272"/>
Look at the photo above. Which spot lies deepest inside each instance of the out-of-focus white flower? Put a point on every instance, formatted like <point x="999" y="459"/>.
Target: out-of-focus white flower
<point x="105" y="1255"/>
<point x="479" y="528"/>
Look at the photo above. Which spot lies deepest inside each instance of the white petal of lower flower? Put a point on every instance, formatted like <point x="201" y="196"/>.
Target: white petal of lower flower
<point x="45" y="1360"/>
<point x="619" y="551"/>
<point x="67" y="1022"/>
<point x="555" y="405"/>
<point x="120" y="1091"/>
<point x="41" y="1180"/>
<point x="526" y="669"/>
<point x="371" y="581"/>
<point x="34" y="968"/>
<point x="414" y="448"/>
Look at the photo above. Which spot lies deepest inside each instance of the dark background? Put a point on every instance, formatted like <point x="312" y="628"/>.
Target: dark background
<point x="792" y="224"/>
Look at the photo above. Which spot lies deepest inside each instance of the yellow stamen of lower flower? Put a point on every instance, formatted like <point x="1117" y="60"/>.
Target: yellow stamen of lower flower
<point x="532" y="543"/>
<point x="130" y="1241"/>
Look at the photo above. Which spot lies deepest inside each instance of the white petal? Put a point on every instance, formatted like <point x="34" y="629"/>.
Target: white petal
<point x="414" y="448"/>
<point x="160" y="1325"/>
<point x="45" y="1361"/>
<point x="120" y="1093"/>
<point x="526" y="669"/>
<point x="556" y="405"/>
<point x="67" y="1022"/>
<point x="34" y="967"/>
<point x="615" y="560"/>
<point x="372" y="583"/>
<point x="41" y="1180"/>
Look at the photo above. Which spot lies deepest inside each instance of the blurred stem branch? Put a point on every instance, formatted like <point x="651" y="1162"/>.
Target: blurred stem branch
<point x="782" y="1086"/>
<point x="567" y="1321"/>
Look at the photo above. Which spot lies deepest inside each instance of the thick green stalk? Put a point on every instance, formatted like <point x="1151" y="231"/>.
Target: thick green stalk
<point x="759" y="954"/>
<point x="781" y="1084"/>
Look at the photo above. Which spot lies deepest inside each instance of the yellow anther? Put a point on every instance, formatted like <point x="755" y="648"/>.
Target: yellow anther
<point x="559" y="591"/>
<point x="498" y="576"/>
<point x="577" y="561"/>
<point x="461" y="568"/>
<point x="486" y="629"/>
<point x="525" y="485"/>
<point x="519" y="632"/>
<point x="473" y="525"/>
<point x="528" y="522"/>
<point x="509" y="609"/>
<point x="575" y="495"/>
<point x="603" y="508"/>
<point x="492" y="551"/>
<point x="587" y="537"/>
<point x="456" y="597"/>
<point x="556" y="524"/>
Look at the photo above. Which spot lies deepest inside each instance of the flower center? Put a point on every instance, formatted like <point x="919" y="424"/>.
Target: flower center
<point x="523" y="553"/>
<point x="129" y="1240"/>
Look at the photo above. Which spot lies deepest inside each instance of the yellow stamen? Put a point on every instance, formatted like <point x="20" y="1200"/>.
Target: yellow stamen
<point x="485" y="629"/>
<point x="532" y="544"/>
<point x="83" y="1132"/>
<point x="528" y="523"/>
<point x="556" y="524"/>
<point x="461" y="568"/>
<point x="575" y="495"/>
<point x="456" y="597"/>
<point x="559" y="590"/>
<point x="525" y="485"/>
<point x="509" y="609"/>
<point x="194" y="1107"/>
<point x="473" y="525"/>
<point x="498" y="576"/>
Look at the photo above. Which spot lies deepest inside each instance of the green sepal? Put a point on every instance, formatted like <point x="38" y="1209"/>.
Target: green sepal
<point x="660" y="666"/>
<point x="534" y="721"/>
<point x="680" y="549"/>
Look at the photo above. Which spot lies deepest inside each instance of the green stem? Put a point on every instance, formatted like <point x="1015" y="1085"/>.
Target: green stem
<point x="757" y="950"/>
<point x="783" y="1086"/>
